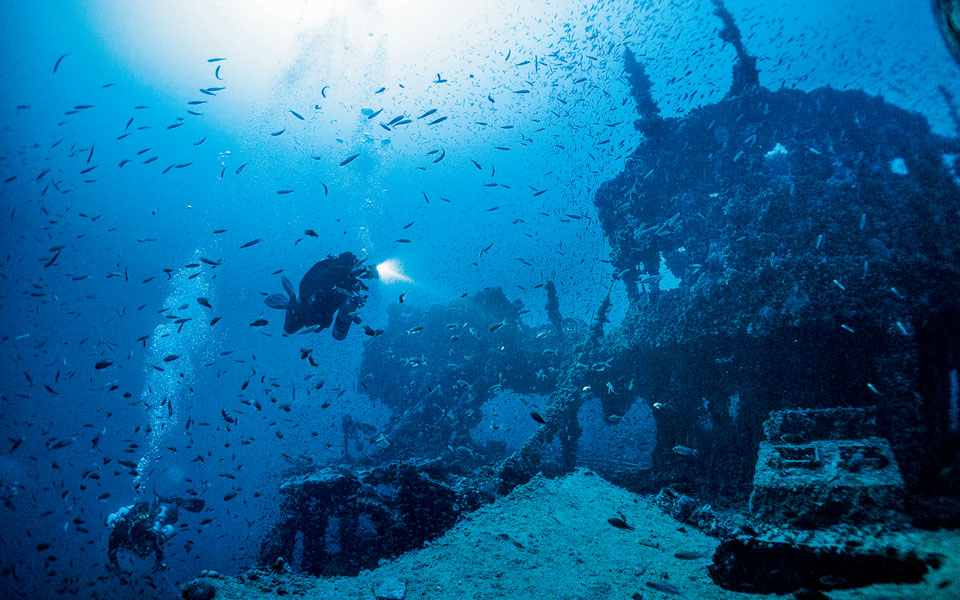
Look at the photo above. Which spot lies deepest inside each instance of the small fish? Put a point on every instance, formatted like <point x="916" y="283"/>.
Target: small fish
<point x="685" y="555"/>
<point x="620" y="523"/>
<point x="59" y="60"/>
<point x="536" y="417"/>
<point x="203" y="302"/>
<point x="283" y="192"/>
<point x="349" y="160"/>
<point x="259" y="323"/>
<point x="16" y="444"/>
<point x="296" y="114"/>
<point x="217" y="73"/>
<point x="103" y="364"/>
<point x="426" y="114"/>
<point x="440" y="120"/>
<point x="250" y="243"/>
<point x="664" y="587"/>
<point x="650" y="280"/>
<point x="240" y="168"/>
<point x="831" y="580"/>
<point x="210" y="60"/>
<point x="685" y="451"/>
<point x="276" y="133"/>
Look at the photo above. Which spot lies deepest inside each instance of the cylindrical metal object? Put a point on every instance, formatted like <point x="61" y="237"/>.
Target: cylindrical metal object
<point x="341" y="326"/>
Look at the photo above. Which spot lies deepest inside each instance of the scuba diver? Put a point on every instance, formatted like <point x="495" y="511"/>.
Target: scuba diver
<point x="143" y="528"/>
<point x="333" y="284"/>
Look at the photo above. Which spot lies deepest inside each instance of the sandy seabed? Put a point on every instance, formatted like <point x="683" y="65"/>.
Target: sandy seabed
<point x="551" y="539"/>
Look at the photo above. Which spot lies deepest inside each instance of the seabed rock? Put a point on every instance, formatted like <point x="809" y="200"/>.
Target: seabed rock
<point x="198" y="589"/>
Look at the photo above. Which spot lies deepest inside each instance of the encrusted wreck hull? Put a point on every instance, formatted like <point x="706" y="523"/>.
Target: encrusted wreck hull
<point x="815" y="238"/>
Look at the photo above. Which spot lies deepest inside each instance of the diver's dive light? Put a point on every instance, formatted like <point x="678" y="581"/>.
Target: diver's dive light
<point x="391" y="271"/>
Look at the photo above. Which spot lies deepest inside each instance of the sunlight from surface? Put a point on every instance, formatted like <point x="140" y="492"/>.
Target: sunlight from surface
<point x="267" y="38"/>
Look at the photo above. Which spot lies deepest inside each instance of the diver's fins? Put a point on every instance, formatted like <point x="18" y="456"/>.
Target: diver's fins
<point x="289" y="288"/>
<point x="280" y="301"/>
<point x="277" y="301"/>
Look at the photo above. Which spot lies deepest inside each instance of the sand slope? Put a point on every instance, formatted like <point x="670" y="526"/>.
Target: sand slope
<point x="551" y="539"/>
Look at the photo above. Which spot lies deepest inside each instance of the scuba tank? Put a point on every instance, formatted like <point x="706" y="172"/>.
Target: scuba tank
<point x="341" y="326"/>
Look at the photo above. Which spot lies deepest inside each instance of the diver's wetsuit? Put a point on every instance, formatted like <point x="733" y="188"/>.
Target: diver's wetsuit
<point x="141" y="529"/>
<point x="323" y="290"/>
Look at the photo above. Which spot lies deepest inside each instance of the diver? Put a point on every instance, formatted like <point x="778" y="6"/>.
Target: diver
<point x="333" y="286"/>
<point x="143" y="529"/>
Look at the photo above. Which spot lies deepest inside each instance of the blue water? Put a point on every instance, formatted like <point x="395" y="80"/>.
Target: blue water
<point x="534" y="100"/>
